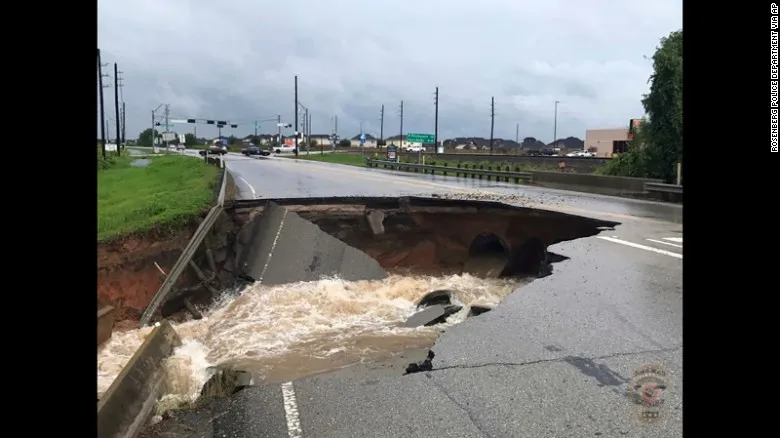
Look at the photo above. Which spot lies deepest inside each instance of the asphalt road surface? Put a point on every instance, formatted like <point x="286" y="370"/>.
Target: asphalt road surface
<point x="555" y="359"/>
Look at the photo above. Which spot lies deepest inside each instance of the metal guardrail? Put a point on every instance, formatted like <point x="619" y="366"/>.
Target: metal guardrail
<point x="664" y="188"/>
<point x="221" y="197"/>
<point x="498" y="174"/>
<point x="186" y="256"/>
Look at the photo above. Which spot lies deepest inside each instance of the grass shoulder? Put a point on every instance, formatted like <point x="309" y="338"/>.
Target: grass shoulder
<point x="169" y="193"/>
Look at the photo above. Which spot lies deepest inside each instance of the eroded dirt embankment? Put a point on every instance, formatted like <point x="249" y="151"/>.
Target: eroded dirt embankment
<point x="127" y="275"/>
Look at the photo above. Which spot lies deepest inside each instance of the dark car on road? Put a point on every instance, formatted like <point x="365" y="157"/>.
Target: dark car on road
<point x="254" y="150"/>
<point x="214" y="150"/>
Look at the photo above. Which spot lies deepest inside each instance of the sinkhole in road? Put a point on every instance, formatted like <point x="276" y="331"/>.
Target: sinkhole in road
<point x="293" y="322"/>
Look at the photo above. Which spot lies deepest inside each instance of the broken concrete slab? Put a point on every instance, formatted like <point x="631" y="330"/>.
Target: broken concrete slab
<point x="285" y="248"/>
<point x="442" y="296"/>
<point x="431" y="315"/>
<point x="478" y="309"/>
<point x="375" y="220"/>
<point x="225" y="382"/>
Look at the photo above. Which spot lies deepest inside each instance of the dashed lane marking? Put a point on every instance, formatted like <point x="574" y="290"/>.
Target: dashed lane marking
<point x="638" y="246"/>
<point x="291" y="411"/>
<point x="674" y="239"/>
<point x="664" y="243"/>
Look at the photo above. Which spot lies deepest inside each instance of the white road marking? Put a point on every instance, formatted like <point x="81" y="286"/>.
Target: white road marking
<point x="665" y="243"/>
<point x="674" y="239"/>
<point x="254" y="194"/>
<point x="291" y="411"/>
<point x="646" y="248"/>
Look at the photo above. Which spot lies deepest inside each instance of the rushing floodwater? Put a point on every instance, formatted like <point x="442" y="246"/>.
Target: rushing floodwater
<point x="294" y="330"/>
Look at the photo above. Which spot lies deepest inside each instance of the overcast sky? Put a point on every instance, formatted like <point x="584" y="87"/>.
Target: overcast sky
<point x="236" y="60"/>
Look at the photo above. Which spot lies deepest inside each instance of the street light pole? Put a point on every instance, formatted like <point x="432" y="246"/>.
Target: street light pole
<point x="154" y="111"/>
<point x="296" y="115"/>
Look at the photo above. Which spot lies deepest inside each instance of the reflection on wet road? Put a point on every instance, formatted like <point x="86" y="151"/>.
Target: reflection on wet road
<point x="283" y="177"/>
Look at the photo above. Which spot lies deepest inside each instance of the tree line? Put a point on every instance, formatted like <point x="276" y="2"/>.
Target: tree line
<point x="657" y="144"/>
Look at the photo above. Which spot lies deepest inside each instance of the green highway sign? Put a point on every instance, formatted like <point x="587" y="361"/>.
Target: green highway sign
<point x="419" y="138"/>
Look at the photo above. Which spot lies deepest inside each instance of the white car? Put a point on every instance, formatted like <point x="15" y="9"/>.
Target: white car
<point x="284" y="149"/>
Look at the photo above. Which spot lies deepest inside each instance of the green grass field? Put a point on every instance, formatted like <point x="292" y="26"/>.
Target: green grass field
<point x="171" y="191"/>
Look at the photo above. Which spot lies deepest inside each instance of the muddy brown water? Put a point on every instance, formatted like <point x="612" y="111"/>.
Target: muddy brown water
<point x="291" y="331"/>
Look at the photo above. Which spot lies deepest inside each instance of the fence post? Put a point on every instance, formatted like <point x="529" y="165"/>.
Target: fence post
<point x="679" y="173"/>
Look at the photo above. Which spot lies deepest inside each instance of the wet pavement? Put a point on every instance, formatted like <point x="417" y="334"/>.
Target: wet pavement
<point x="285" y="177"/>
<point x="556" y="358"/>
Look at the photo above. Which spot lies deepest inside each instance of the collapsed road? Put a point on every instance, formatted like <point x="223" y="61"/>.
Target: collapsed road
<point x="608" y="309"/>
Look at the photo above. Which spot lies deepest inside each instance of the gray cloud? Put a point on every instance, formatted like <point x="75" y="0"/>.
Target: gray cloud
<point x="236" y="60"/>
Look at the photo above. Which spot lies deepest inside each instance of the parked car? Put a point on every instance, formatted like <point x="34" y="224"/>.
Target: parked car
<point x="254" y="150"/>
<point x="215" y="150"/>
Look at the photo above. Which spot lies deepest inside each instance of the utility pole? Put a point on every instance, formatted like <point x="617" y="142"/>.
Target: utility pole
<point x="102" y="107"/>
<point x="306" y="130"/>
<point x="517" y="138"/>
<point x="381" y="126"/>
<point x="121" y="85"/>
<point x="436" y="122"/>
<point x="402" y="124"/>
<point x="492" y="121"/>
<point x="555" y="123"/>
<point x="124" y="126"/>
<point x="167" y="115"/>
<point x="296" y="115"/>
<point x="116" y="107"/>
<point x="255" y="128"/>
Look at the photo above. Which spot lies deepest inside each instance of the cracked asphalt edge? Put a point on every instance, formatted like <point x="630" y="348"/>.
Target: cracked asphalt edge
<point x="560" y="359"/>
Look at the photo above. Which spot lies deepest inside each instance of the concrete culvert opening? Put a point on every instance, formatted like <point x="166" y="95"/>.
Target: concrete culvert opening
<point x="488" y="256"/>
<point x="527" y="260"/>
<point x="487" y="245"/>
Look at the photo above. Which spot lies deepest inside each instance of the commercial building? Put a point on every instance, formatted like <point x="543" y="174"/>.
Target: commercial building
<point x="606" y="142"/>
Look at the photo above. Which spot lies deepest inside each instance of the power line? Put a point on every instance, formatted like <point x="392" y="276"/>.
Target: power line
<point x="102" y="107"/>
<point x="116" y="108"/>
<point x="492" y="121"/>
<point x="402" y="123"/>
<point x="381" y="126"/>
<point x="436" y="121"/>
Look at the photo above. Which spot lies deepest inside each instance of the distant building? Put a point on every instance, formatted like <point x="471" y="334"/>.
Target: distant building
<point x="606" y="142"/>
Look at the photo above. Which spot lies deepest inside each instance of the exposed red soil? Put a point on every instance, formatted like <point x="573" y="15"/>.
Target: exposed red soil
<point x="127" y="276"/>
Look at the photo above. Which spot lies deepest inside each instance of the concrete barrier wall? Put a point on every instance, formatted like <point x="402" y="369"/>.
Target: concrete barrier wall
<point x="576" y="164"/>
<point x="607" y="185"/>
<point x="125" y="407"/>
<point x="105" y="324"/>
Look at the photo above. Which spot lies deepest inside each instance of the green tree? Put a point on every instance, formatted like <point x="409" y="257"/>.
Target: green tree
<point x="344" y="143"/>
<point x="145" y="137"/>
<point x="190" y="140"/>
<point x="658" y="145"/>
<point x="234" y="140"/>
